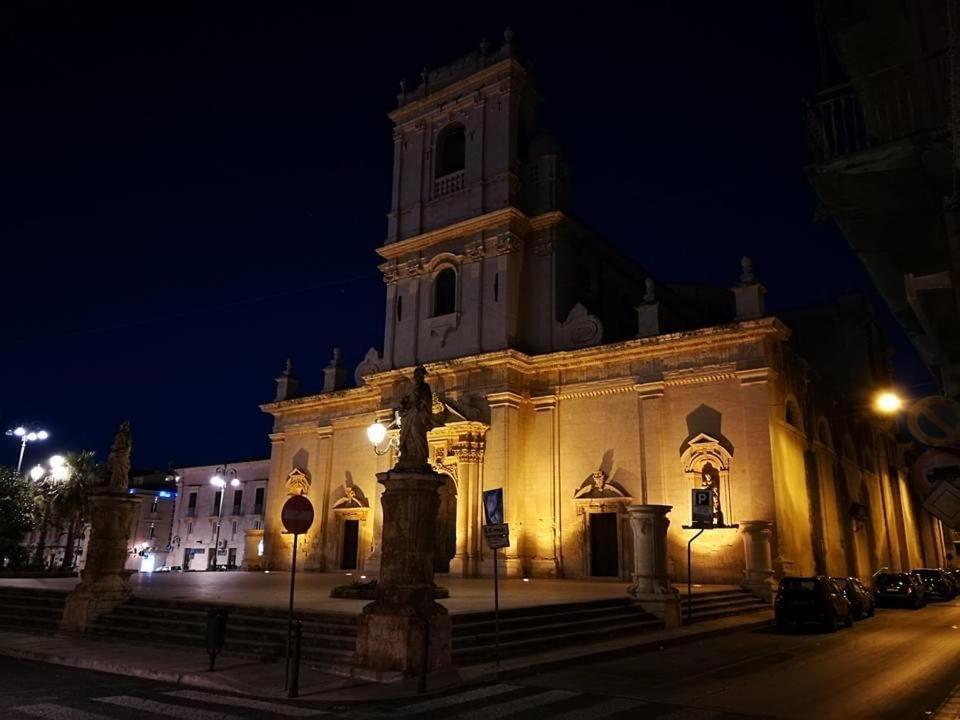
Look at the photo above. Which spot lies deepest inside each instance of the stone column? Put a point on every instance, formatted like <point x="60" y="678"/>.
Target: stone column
<point x="404" y="620"/>
<point x="651" y="583"/>
<point x="103" y="580"/>
<point x="469" y="453"/>
<point x="758" y="558"/>
<point x="251" y="550"/>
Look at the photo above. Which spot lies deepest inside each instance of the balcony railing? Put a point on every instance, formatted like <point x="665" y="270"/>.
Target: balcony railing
<point x="450" y="183"/>
<point x="879" y="108"/>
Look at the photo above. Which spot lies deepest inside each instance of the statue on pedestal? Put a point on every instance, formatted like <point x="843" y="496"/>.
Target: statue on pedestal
<point x="118" y="462"/>
<point x="416" y="420"/>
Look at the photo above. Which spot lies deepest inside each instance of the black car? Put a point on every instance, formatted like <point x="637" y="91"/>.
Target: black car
<point x="936" y="582"/>
<point x="898" y="588"/>
<point x="861" y="601"/>
<point x="811" y="600"/>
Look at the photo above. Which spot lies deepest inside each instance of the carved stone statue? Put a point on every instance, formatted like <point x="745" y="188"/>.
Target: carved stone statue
<point x="416" y="420"/>
<point x="118" y="461"/>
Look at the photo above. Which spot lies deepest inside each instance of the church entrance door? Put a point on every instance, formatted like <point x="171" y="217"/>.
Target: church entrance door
<point x="604" y="546"/>
<point x="351" y="543"/>
<point x="445" y="545"/>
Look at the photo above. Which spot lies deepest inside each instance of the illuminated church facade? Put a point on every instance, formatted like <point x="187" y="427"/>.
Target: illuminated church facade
<point x="567" y="376"/>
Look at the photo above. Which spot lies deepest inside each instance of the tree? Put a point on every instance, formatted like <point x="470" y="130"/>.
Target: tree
<point x="70" y="499"/>
<point x="16" y="513"/>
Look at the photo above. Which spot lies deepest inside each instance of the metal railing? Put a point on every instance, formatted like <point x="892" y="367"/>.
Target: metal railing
<point x="879" y="108"/>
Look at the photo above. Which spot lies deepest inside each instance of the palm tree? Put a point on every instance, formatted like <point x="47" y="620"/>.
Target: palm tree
<point x="70" y="499"/>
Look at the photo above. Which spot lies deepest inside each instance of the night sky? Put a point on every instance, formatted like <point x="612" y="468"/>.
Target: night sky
<point x="190" y="194"/>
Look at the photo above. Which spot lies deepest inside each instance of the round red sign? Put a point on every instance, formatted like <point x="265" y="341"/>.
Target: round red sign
<point x="297" y="515"/>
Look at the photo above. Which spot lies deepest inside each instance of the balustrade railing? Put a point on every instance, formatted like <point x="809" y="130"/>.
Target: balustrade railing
<point x="879" y="108"/>
<point x="450" y="183"/>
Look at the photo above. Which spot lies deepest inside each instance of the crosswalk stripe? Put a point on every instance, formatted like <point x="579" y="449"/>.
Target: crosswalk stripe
<point x="276" y="708"/>
<point x="448" y="700"/>
<point x="512" y="706"/>
<point x="51" y="711"/>
<point x="600" y="710"/>
<point x="159" y="708"/>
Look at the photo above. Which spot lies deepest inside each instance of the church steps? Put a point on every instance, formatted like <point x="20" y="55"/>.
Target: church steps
<point x="25" y="609"/>
<point x="722" y="603"/>
<point x="528" y="630"/>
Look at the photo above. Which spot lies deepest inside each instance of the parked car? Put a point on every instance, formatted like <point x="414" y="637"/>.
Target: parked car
<point x="891" y="587"/>
<point x="861" y="600"/>
<point x="937" y="583"/>
<point x="811" y="600"/>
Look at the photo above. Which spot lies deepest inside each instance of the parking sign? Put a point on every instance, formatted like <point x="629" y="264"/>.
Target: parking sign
<point x="702" y="506"/>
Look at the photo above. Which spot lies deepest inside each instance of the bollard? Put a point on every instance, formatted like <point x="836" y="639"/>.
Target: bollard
<point x="216" y="632"/>
<point x="293" y="666"/>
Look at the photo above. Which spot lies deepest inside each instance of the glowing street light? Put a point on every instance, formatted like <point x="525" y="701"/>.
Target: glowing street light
<point x="377" y="433"/>
<point x="887" y="402"/>
<point x="219" y="481"/>
<point x="26" y="435"/>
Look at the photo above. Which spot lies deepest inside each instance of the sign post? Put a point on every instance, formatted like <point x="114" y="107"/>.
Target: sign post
<point x="703" y="517"/>
<point x="497" y="534"/>
<point x="297" y="517"/>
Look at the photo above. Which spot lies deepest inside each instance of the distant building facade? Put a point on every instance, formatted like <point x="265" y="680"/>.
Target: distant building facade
<point x="238" y="507"/>
<point x="565" y="375"/>
<point x="151" y="534"/>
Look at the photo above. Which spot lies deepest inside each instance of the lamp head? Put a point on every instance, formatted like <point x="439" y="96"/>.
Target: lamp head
<point x="887" y="402"/>
<point x="376" y="432"/>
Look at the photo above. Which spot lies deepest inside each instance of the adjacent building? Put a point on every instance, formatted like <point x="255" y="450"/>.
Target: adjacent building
<point x="151" y="534"/>
<point x="219" y="516"/>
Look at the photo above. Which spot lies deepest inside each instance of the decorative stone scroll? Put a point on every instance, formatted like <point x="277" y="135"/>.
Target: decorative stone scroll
<point x="298" y="483"/>
<point x="580" y="329"/>
<point x="350" y="496"/>
<point x="599" y="488"/>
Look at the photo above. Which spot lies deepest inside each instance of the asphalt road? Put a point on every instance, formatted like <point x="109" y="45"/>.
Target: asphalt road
<point x="899" y="665"/>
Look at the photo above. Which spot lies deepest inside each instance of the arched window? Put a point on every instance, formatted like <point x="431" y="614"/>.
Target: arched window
<point x="451" y="150"/>
<point x="445" y="292"/>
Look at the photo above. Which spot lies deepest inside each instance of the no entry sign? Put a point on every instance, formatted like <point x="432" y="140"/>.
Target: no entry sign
<point x="297" y="515"/>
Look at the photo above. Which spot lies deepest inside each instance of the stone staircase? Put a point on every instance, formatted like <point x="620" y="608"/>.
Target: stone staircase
<point x="25" y="609"/>
<point x="713" y="604"/>
<point x="329" y="639"/>
<point x="528" y="630"/>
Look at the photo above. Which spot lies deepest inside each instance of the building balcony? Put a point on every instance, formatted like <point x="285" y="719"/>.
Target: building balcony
<point x="879" y="108"/>
<point x="449" y="184"/>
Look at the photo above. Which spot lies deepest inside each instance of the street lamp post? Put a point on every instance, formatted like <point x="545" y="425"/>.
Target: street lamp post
<point x="58" y="471"/>
<point x="219" y="481"/>
<point x="26" y="435"/>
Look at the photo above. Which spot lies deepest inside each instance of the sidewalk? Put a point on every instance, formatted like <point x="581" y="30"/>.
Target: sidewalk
<point x="266" y="678"/>
<point x="950" y="709"/>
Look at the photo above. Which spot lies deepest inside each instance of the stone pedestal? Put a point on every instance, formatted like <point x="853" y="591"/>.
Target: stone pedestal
<point x="758" y="574"/>
<point x="103" y="580"/>
<point x="404" y="621"/>
<point x="251" y="550"/>
<point x="651" y="582"/>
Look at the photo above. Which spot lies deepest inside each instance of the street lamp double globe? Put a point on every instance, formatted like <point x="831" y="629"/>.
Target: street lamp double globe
<point x="26" y="435"/>
<point x="219" y="481"/>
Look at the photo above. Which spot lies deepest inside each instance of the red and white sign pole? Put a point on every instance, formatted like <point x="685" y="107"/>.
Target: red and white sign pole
<point x="297" y="517"/>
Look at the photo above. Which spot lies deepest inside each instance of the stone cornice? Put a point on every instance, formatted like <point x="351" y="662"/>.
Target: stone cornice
<point x="700" y="375"/>
<point x="756" y="376"/>
<point x="410" y="111"/>
<point x="630" y="350"/>
<point x="510" y="215"/>
<point x="597" y="388"/>
<point x="504" y="399"/>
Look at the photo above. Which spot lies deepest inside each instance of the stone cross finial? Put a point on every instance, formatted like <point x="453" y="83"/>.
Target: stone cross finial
<point x="484" y="46"/>
<point x="747" y="276"/>
<point x="651" y="293"/>
<point x="288" y="368"/>
<point x="508" y="35"/>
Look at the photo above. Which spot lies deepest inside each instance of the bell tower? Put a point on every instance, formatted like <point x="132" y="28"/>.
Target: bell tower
<point x="458" y="225"/>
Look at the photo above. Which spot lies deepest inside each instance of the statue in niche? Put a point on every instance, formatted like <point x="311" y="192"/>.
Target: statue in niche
<point x="118" y="461"/>
<point x="416" y="420"/>
<point x="710" y="478"/>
